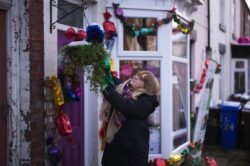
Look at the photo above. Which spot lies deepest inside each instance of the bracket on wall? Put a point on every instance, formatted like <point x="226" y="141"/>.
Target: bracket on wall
<point x="53" y="4"/>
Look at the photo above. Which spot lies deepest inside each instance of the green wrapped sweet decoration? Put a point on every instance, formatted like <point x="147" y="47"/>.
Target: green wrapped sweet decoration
<point x="143" y="31"/>
<point x="107" y="80"/>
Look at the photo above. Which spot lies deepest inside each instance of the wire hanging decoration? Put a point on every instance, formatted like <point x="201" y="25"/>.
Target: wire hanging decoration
<point x="82" y="5"/>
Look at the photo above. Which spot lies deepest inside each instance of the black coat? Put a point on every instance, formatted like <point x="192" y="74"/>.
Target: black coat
<point x="130" y="145"/>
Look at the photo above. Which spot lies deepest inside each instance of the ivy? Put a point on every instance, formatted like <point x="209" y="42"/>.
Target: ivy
<point x="90" y="58"/>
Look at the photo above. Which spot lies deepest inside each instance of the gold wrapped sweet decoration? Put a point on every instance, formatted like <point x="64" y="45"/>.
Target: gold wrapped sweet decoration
<point x="173" y="159"/>
<point x="57" y="91"/>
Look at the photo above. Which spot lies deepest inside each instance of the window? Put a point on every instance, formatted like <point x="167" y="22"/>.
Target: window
<point x="142" y="42"/>
<point x="233" y="23"/>
<point x="180" y="87"/>
<point x="179" y="45"/>
<point x="134" y="42"/>
<point x="240" y="76"/>
<point x="222" y="15"/>
<point x="74" y="19"/>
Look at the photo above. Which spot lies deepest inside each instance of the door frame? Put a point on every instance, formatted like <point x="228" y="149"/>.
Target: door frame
<point x="162" y="54"/>
<point x="3" y="102"/>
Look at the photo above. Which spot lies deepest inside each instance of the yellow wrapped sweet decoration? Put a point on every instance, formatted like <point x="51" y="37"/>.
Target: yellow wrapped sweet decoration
<point x="112" y="64"/>
<point x="112" y="67"/>
<point x="183" y="29"/>
<point x="57" y="91"/>
<point x="173" y="159"/>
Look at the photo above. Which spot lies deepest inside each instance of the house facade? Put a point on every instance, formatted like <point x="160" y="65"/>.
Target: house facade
<point x="240" y="53"/>
<point x="220" y="32"/>
<point x="33" y="53"/>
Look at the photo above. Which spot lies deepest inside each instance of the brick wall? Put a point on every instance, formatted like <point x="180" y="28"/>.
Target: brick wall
<point x="36" y="33"/>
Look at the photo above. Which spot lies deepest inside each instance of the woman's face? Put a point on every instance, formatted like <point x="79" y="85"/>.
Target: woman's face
<point x="137" y="82"/>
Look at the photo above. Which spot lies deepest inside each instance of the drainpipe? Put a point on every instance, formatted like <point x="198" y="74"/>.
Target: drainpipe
<point x="208" y="48"/>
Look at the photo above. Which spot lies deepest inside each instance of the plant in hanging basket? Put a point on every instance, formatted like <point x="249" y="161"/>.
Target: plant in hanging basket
<point x="91" y="58"/>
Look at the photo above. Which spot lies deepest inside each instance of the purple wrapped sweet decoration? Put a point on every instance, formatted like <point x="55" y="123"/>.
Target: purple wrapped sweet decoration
<point x="119" y="12"/>
<point x="55" y="154"/>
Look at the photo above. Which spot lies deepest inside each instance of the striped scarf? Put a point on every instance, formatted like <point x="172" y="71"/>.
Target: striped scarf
<point x="112" y="119"/>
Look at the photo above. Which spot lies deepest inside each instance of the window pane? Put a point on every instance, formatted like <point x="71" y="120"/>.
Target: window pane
<point x="239" y="65"/>
<point x="143" y="42"/>
<point x="74" y="19"/>
<point x="179" y="92"/>
<point x="239" y="79"/>
<point x="179" y="43"/>
<point x="128" y="68"/>
<point x="222" y="10"/>
<point x="180" y="139"/>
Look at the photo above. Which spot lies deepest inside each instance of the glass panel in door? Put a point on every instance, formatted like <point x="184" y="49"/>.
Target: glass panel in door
<point x="180" y="99"/>
<point x="179" y="42"/>
<point x="128" y="68"/>
<point x="136" y="40"/>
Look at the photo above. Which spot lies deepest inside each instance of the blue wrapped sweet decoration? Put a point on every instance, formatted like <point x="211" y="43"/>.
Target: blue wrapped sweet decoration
<point x="95" y="32"/>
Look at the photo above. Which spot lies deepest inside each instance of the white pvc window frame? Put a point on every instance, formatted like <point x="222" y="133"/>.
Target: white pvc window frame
<point x="185" y="60"/>
<point x="244" y="69"/>
<point x="163" y="53"/>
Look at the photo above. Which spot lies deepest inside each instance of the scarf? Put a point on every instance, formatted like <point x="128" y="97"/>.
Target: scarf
<point x="111" y="118"/>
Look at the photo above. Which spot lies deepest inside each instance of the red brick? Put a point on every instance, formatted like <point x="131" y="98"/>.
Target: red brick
<point x="36" y="75"/>
<point x="37" y="46"/>
<point x="37" y="114"/>
<point x="36" y="35"/>
<point x="37" y="66"/>
<point x="36" y="104"/>
<point x="36" y="143"/>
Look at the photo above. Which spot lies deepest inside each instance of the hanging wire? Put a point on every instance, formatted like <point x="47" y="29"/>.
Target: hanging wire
<point x="86" y="21"/>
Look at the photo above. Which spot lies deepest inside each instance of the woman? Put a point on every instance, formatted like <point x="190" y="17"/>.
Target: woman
<point x="124" y="115"/>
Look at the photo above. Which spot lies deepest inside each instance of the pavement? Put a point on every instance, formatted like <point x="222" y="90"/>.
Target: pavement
<point x="225" y="157"/>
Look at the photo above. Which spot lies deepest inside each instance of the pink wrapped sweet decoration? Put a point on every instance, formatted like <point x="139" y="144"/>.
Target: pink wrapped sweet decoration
<point x="243" y="40"/>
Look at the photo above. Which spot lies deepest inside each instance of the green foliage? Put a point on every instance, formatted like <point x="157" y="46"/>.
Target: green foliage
<point x="88" y="57"/>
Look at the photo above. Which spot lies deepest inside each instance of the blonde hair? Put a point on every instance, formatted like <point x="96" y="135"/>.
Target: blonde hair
<point x="151" y="83"/>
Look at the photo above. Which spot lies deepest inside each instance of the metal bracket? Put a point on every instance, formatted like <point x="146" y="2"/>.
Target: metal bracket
<point x="53" y="4"/>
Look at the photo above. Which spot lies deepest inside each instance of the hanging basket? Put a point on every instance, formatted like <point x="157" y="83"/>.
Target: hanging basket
<point x="89" y="57"/>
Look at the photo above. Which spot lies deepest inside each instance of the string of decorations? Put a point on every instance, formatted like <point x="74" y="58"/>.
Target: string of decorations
<point x="138" y="31"/>
<point x="185" y="158"/>
<point x="197" y="88"/>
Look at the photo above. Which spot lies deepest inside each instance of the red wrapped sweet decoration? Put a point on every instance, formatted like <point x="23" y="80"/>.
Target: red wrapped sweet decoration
<point x="81" y="35"/>
<point x="157" y="162"/>
<point x="71" y="33"/>
<point x="109" y="26"/>
<point x="63" y="124"/>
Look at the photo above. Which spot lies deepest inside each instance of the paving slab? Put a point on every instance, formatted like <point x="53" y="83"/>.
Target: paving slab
<point x="226" y="157"/>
